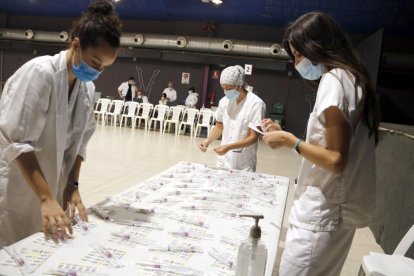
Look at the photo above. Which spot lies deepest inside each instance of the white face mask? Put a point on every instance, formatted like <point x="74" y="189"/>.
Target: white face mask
<point x="309" y="71"/>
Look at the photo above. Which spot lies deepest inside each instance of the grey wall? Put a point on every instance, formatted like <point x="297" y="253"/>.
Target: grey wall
<point x="395" y="188"/>
<point x="123" y="68"/>
<point x="271" y="85"/>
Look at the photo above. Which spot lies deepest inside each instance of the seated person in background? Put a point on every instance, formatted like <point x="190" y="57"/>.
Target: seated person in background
<point x="171" y="94"/>
<point x="141" y="98"/>
<point x="192" y="98"/>
<point x="163" y="100"/>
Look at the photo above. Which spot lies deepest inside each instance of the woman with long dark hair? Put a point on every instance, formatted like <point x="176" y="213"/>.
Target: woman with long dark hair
<point x="46" y="121"/>
<point x="335" y="192"/>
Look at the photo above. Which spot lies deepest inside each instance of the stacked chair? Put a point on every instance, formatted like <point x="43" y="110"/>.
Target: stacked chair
<point x="175" y="119"/>
<point x="159" y="114"/>
<point x="115" y="112"/>
<point x="189" y="120"/>
<point x="207" y="121"/>
<point x="118" y="112"/>
<point x="101" y="109"/>
<point x="130" y="109"/>
<point x="145" y="115"/>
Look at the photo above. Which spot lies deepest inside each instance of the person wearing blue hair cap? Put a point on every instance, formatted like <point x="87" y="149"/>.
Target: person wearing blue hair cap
<point x="238" y="149"/>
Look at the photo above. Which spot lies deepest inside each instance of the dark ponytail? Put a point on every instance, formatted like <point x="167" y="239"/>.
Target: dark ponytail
<point x="99" y="23"/>
<point x="320" y="39"/>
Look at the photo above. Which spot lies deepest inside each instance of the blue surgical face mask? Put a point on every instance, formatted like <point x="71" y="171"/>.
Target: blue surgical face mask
<point x="309" y="71"/>
<point x="231" y="94"/>
<point x="85" y="72"/>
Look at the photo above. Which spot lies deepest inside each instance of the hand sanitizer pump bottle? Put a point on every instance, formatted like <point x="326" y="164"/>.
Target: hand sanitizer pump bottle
<point x="252" y="254"/>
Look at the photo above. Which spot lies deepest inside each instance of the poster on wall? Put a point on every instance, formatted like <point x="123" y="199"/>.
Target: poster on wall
<point x="215" y="75"/>
<point x="185" y="78"/>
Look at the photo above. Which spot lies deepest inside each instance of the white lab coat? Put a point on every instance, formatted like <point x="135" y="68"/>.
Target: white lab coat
<point x="35" y="116"/>
<point x="123" y="88"/>
<point x="90" y="86"/>
<point x="235" y="119"/>
<point x="171" y="94"/>
<point x="191" y="100"/>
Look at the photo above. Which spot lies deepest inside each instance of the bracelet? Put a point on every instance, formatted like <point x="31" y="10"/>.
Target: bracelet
<point x="296" y="146"/>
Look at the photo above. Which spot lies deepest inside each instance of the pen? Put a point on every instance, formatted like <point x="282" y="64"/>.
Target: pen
<point x="188" y="234"/>
<point x="167" y="268"/>
<point x="189" y="220"/>
<point x="185" y="185"/>
<point x="143" y="224"/>
<point x="209" y="198"/>
<point x="177" y="248"/>
<point x="197" y="207"/>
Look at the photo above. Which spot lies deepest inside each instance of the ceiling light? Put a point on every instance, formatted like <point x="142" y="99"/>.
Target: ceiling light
<point x="216" y="2"/>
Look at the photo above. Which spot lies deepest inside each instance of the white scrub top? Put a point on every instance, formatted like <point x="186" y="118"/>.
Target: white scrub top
<point x="35" y="115"/>
<point x="171" y="94"/>
<point x="144" y="99"/>
<point x="236" y="118"/>
<point x="324" y="199"/>
<point x="192" y="99"/>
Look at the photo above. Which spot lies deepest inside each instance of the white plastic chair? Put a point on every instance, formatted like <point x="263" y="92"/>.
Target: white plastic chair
<point x="175" y="119"/>
<point x="192" y="114"/>
<point x="132" y="108"/>
<point x="101" y="109"/>
<point x="377" y="264"/>
<point x="145" y="115"/>
<point x="159" y="117"/>
<point x="206" y="121"/>
<point x="115" y="111"/>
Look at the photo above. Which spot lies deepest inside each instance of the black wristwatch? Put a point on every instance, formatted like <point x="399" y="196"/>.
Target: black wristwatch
<point x="74" y="184"/>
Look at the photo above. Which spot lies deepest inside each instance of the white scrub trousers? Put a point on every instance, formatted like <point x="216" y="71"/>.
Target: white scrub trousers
<point x="314" y="253"/>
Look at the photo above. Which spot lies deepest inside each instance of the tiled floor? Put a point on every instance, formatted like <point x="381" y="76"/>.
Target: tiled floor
<point x="121" y="157"/>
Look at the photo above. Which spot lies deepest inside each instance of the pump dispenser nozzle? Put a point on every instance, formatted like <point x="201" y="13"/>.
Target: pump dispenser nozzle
<point x="255" y="231"/>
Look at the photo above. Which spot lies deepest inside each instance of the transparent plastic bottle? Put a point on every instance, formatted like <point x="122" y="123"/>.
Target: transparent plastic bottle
<point x="252" y="254"/>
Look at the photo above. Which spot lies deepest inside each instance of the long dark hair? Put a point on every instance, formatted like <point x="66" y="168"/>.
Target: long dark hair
<point x="320" y="39"/>
<point x="99" y="22"/>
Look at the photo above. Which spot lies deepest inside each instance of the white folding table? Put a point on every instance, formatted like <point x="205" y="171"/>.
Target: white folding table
<point x="183" y="221"/>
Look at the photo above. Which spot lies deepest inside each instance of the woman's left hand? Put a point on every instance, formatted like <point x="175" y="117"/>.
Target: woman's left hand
<point x="279" y="138"/>
<point x="222" y="150"/>
<point x="73" y="199"/>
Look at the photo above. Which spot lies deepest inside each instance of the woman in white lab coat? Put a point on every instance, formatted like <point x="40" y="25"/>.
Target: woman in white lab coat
<point x="238" y="149"/>
<point x="46" y="120"/>
<point x="335" y="192"/>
